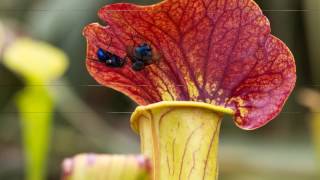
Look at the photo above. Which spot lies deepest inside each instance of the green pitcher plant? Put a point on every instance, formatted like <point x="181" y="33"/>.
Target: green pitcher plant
<point x="187" y="64"/>
<point x="37" y="63"/>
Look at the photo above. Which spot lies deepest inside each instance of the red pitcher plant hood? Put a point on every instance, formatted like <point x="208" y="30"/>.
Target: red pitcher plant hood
<point x="219" y="52"/>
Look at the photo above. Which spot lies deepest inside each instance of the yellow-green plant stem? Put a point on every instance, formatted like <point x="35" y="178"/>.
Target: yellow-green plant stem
<point x="106" y="167"/>
<point x="181" y="138"/>
<point x="35" y="106"/>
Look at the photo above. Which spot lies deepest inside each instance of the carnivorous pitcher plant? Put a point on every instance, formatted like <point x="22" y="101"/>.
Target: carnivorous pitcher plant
<point x="187" y="63"/>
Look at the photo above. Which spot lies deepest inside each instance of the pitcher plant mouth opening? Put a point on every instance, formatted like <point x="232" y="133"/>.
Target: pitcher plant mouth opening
<point x="180" y="138"/>
<point x="175" y="104"/>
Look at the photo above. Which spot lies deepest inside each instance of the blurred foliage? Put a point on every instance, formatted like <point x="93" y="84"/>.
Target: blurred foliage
<point x="86" y="120"/>
<point x="9" y="84"/>
<point x="311" y="99"/>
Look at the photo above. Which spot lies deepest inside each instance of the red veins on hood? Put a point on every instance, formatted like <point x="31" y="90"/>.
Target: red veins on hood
<point x="215" y="51"/>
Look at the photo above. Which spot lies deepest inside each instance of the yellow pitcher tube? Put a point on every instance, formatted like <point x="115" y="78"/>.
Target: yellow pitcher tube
<point x="181" y="138"/>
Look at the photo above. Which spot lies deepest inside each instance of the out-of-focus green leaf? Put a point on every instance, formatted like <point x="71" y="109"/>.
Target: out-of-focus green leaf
<point x="106" y="167"/>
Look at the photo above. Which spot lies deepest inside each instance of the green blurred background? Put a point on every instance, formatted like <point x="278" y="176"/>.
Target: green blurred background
<point x="92" y="118"/>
